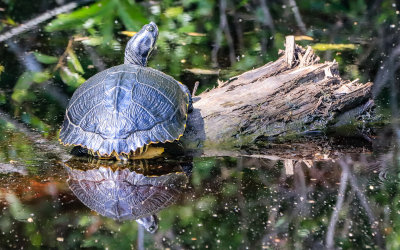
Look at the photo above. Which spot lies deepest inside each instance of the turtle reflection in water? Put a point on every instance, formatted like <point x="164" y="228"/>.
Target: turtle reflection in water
<point x="122" y="193"/>
<point x="120" y="111"/>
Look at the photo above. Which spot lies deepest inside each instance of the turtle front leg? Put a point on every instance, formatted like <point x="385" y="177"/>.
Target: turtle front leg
<point x="79" y="151"/>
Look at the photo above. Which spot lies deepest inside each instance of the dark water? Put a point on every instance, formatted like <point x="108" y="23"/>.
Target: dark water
<point x="206" y="202"/>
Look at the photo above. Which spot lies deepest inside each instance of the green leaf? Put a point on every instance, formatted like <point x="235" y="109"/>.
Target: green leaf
<point x="131" y="15"/>
<point x="17" y="210"/>
<point x="71" y="78"/>
<point x="1" y="69"/>
<point x="24" y="82"/>
<point x="107" y="27"/>
<point x="173" y="12"/>
<point x="73" y="61"/>
<point x="331" y="46"/>
<point x="45" y="58"/>
<point x="79" y="17"/>
<point x="93" y="41"/>
<point x="10" y="21"/>
<point x="40" y="77"/>
<point x="35" y="122"/>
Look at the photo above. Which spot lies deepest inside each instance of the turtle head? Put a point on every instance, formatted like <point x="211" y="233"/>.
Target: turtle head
<point x="150" y="223"/>
<point x="141" y="44"/>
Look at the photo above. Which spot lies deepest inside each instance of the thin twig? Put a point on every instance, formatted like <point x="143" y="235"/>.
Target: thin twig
<point x="216" y="47"/>
<point x="386" y="71"/>
<point x="196" y="85"/>
<point x="60" y="62"/>
<point x="241" y="201"/>
<point x="301" y="187"/>
<point x="339" y="203"/>
<point x="297" y="16"/>
<point x="239" y="31"/>
<point x="371" y="217"/>
<point x="267" y="21"/>
<point x="37" y="20"/>
<point x="223" y="27"/>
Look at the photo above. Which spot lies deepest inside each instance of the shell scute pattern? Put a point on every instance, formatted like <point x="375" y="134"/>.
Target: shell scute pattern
<point x="122" y="194"/>
<point x="125" y="108"/>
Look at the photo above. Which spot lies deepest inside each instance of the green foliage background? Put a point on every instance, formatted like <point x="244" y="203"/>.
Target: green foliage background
<point x="228" y="203"/>
<point x="69" y="48"/>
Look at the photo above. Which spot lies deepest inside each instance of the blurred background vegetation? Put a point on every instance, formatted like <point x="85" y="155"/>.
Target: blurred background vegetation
<point x="230" y="202"/>
<point x="200" y="40"/>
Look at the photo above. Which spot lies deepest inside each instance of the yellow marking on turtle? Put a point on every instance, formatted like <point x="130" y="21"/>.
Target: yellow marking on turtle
<point x="119" y="168"/>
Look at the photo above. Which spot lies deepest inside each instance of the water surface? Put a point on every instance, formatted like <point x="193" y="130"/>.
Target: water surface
<point x="207" y="202"/>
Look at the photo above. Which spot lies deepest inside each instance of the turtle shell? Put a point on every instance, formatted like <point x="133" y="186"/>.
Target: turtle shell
<point x="125" y="108"/>
<point x="123" y="194"/>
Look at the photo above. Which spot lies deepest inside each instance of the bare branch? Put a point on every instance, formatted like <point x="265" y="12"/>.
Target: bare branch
<point x="223" y="27"/>
<point x="339" y="203"/>
<point x="371" y="217"/>
<point x="37" y="20"/>
<point x="267" y="21"/>
<point x="297" y="16"/>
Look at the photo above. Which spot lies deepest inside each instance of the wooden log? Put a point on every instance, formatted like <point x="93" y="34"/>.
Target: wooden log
<point x="291" y="95"/>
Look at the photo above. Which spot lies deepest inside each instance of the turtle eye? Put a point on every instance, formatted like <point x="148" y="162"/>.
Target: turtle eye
<point x="150" y="28"/>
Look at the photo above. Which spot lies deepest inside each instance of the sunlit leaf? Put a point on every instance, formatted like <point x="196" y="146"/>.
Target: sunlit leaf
<point x="128" y="33"/>
<point x="73" y="62"/>
<point x="79" y="17"/>
<point x="173" y="12"/>
<point x="71" y="78"/>
<point x="45" y="58"/>
<point x="89" y="23"/>
<point x="303" y="38"/>
<point x="93" y="41"/>
<point x="1" y="69"/>
<point x="198" y="71"/>
<point x="331" y="46"/>
<point x="196" y="34"/>
<point x="10" y="21"/>
<point x="40" y="77"/>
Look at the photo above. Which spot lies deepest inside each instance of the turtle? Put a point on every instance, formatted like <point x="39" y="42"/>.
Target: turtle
<point x="120" y="111"/>
<point x="123" y="194"/>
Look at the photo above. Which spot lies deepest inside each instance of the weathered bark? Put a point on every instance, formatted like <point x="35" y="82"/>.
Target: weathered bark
<point x="292" y="95"/>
